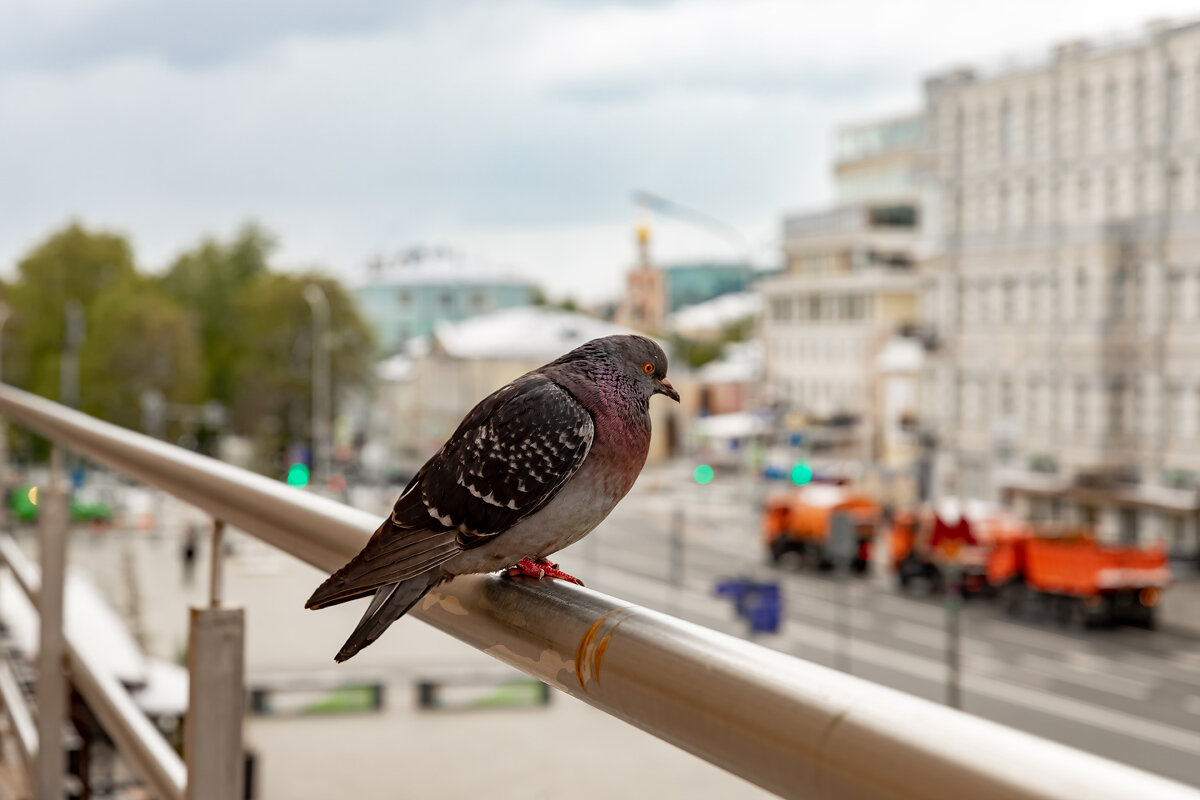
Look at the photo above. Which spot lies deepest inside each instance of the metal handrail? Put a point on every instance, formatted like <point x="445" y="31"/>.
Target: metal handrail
<point x="134" y="734"/>
<point x="790" y="726"/>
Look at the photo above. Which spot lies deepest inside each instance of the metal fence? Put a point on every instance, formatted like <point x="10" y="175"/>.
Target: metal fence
<point x="795" y="728"/>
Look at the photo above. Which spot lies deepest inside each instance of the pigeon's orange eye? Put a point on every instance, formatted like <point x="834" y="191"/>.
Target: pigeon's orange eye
<point x="649" y="368"/>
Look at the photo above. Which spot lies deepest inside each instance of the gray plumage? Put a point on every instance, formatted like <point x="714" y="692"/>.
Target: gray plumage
<point x="532" y="468"/>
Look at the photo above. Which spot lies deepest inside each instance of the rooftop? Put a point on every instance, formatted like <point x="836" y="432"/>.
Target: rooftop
<point x="1073" y="50"/>
<point x="437" y="266"/>
<point x="528" y="332"/>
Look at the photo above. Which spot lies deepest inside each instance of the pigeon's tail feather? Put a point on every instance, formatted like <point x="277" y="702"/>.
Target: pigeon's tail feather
<point x="389" y="604"/>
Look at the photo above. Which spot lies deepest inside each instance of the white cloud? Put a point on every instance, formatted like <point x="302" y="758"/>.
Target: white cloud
<point x="517" y="130"/>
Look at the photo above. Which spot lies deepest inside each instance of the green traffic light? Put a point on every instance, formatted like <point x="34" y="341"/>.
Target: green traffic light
<point x="801" y="473"/>
<point x="297" y="475"/>
<point x="703" y="474"/>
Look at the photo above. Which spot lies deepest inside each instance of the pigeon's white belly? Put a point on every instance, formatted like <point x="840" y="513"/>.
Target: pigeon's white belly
<point x="579" y="507"/>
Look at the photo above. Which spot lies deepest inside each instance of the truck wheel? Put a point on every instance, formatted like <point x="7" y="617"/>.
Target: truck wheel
<point x="1098" y="613"/>
<point x="780" y="547"/>
<point x="1012" y="598"/>
<point x="937" y="585"/>
<point x="1066" y="610"/>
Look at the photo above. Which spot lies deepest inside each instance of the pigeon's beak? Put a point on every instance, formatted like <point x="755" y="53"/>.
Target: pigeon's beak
<point x="665" y="387"/>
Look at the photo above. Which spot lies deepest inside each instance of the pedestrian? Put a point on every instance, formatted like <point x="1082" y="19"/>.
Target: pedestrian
<point x="190" y="539"/>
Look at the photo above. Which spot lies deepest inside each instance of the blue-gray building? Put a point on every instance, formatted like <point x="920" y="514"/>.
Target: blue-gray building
<point x="697" y="282"/>
<point x="405" y="298"/>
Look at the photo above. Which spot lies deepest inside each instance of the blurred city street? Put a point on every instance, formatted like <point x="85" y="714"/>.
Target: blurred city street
<point x="889" y="314"/>
<point x="1129" y="694"/>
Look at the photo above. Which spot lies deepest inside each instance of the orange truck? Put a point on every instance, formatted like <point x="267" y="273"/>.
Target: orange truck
<point x="1073" y="578"/>
<point x="925" y="546"/>
<point x="801" y="520"/>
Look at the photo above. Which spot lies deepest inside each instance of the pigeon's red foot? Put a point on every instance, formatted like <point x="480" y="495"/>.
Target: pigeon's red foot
<point x="540" y="568"/>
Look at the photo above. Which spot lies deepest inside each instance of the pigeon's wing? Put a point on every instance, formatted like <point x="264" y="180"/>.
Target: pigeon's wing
<point x="507" y="465"/>
<point x="509" y="457"/>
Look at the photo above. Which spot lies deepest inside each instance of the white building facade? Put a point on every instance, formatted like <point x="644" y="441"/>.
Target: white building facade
<point x="849" y="285"/>
<point x="1063" y="209"/>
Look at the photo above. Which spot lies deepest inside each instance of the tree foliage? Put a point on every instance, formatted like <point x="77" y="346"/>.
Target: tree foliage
<point x="218" y="325"/>
<point x="209" y="279"/>
<point x="73" y="263"/>
<point x="274" y="330"/>
<point x="138" y="340"/>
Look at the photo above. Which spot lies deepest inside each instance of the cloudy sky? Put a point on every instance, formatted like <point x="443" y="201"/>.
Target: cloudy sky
<point x="514" y="130"/>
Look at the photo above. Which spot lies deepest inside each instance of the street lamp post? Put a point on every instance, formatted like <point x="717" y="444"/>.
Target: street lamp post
<point x="68" y="377"/>
<point x="319" y="303"/>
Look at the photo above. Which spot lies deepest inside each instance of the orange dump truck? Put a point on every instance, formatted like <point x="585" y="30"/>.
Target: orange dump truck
<point x="1074" y="578"/>
<point x="801" y="521"/>
<point x="924" y="546"/>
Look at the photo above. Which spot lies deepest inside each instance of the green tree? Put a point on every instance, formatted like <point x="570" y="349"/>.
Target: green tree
<point x="208" y="280"/>
<point x="272" y="326"/>
<point x="73" y="263"/>
<point x="138" y="339"/>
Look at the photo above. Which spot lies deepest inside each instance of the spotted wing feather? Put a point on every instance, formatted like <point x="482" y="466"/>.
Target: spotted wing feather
<point x="508" y="458"/>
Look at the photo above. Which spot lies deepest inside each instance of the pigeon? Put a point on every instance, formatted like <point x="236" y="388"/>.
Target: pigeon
<point x="532" y="468"/>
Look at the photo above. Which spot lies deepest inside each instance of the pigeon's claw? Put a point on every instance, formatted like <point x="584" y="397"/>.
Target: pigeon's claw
<point x="539" y="568"/>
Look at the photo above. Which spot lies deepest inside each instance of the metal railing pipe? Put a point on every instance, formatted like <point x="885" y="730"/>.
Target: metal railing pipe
<point x="17" y="709"/>
<point x="136" y="737"/>
<point x="309" y="527"/>
<point x="790" y="726"/>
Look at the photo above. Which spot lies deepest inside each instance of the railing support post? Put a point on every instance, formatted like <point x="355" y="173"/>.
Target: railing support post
<point x="51" y="681"/>
<point x="216" y="701"/>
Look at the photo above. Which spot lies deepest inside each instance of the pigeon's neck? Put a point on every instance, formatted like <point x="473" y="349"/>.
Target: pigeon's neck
<point x="621" y="414"/>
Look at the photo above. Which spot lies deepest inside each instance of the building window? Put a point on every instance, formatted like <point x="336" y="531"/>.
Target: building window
<point x="1175" y="194"/>
<point x="1110" y="112"/>
<point x="446" y="300"/>
<point x="1082" y="198"/>
<point x="1174" y="415"/>
<point x="981" y="134"/>
<point x="1175" y="294"/>
<point x="1117" y="304"/>
<point x="1009" y="288"/>
<point x="404" y="298"/>
<point x="1138" y="118"/>
<point x="1031" y="126"/>
<point x="1081" y="290"/>
<point x="1007" y="130"/>
<point x="1030" y="203"/>
<point x="1174" y="99"/>
<point x="1081" y="118"/>
<point x="1116" y="406"/>
<point x="1033" y="391"/>
<point x="1080" y="406"/>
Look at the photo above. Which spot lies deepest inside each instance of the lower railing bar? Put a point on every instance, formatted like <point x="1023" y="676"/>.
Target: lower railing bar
<point x="24" y="571"/>
<point x="136" y="737"/>
<point x="17" y="709"/>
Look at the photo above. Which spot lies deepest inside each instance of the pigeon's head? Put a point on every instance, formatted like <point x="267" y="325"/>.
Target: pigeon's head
<point x="643" y="361"/>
